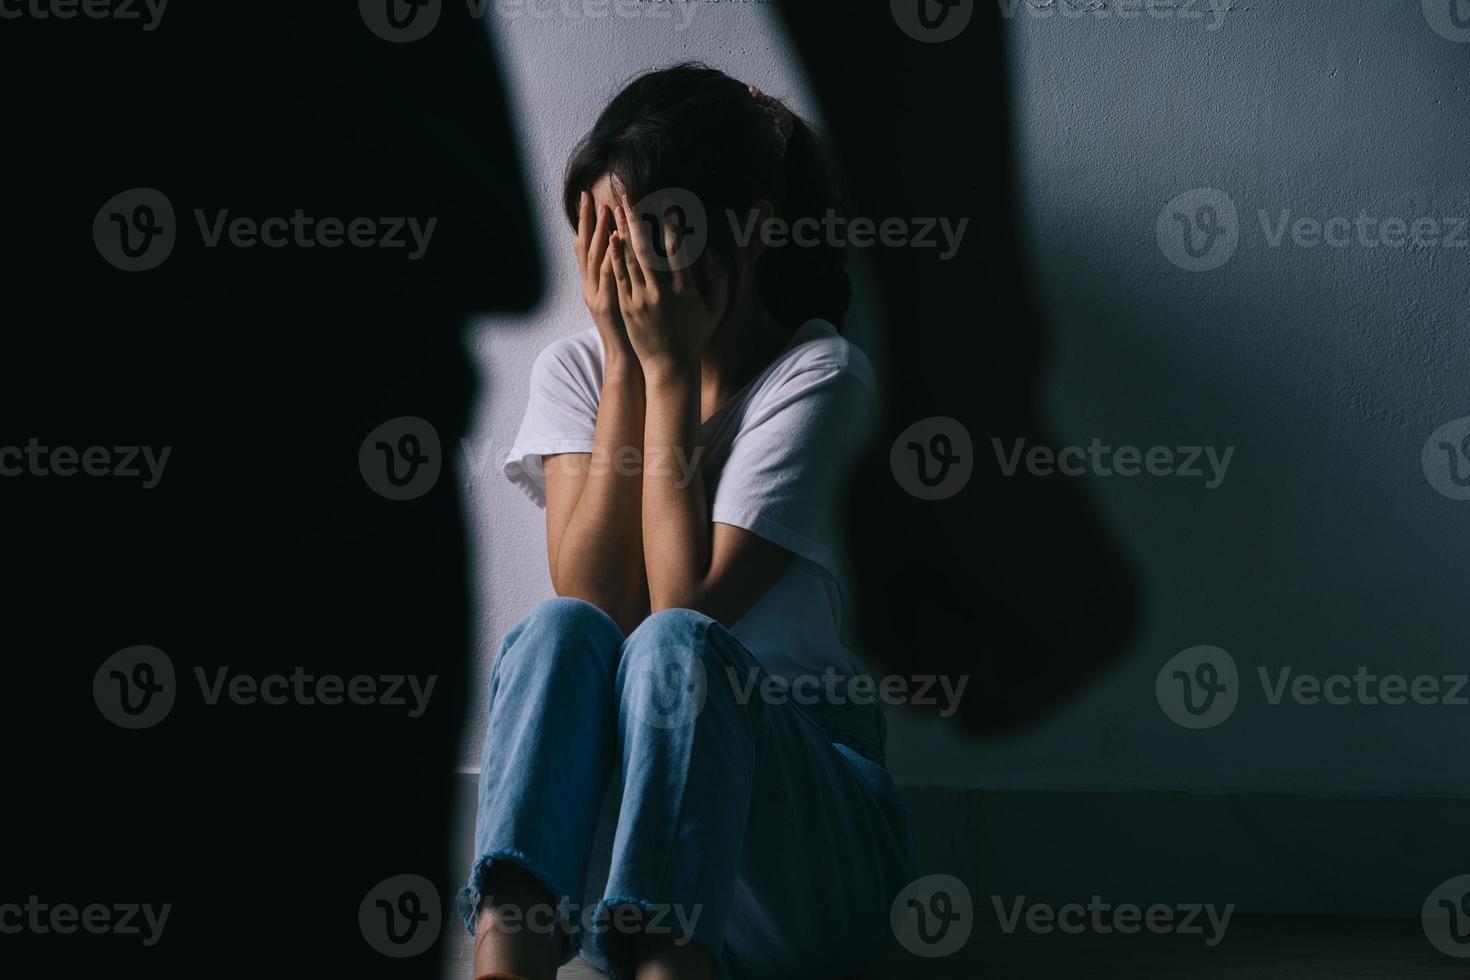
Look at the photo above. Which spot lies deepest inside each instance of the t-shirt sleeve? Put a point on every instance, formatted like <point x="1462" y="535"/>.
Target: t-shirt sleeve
<point x="561" y="414"/>
<point x="784" y="476"/>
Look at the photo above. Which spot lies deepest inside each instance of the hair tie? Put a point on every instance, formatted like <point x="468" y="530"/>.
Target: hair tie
<point x="782" y="121"/>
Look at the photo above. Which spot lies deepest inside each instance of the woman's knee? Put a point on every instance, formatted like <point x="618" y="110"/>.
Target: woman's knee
<point x="561" y="637"/>
<point x="673" y="667"/>
<point x="671" y="627"/>
<point x="564" y="613"/>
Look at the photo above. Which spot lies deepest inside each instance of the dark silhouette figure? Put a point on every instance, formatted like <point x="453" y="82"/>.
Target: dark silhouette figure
<point x="262" y="551"/>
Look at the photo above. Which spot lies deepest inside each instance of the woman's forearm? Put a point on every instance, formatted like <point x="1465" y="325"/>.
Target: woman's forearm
<point x="600" y="555"/>
<point x="676" y="521"/>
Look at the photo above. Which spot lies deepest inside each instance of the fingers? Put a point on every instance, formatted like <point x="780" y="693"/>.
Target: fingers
<point x="584" y="232"/>
<point x="601" y="233"/>
<point x="631" y="224"/>
<point x="626" y="259"/>
<point x="671" y="248"/>
<point x="617" y="260"/>
<point x="607" y="280"/>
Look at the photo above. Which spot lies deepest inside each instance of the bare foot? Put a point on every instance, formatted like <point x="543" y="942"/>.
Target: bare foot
<point x="516" y="933"/>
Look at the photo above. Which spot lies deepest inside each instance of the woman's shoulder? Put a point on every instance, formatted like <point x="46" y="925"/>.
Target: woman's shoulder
<point x="579" y="351"/>
<point x="820" y="354"/>
<point x="575" y="359"/>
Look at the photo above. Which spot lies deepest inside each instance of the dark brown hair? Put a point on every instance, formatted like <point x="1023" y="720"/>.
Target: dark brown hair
<point x="697" y="129"/>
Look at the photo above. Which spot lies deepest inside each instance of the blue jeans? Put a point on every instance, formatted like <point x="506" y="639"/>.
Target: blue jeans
<point x="735" y="820"/>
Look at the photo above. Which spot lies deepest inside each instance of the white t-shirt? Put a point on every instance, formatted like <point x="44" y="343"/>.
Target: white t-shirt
<point x="773" y="457"/>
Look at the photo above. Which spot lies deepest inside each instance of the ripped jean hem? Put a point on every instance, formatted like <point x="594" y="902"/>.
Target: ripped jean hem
<point x="471" y="896"/>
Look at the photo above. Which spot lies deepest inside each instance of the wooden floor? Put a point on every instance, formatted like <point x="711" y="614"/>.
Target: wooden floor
<point x="1254" y="948"/>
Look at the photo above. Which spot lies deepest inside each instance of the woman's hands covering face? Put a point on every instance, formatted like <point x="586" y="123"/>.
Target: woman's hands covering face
<point x="595" y="227"/>
<point x="669" y="320"/>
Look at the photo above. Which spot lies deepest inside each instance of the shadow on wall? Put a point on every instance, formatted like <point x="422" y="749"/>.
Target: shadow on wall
<point x="1013" y="581"/>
